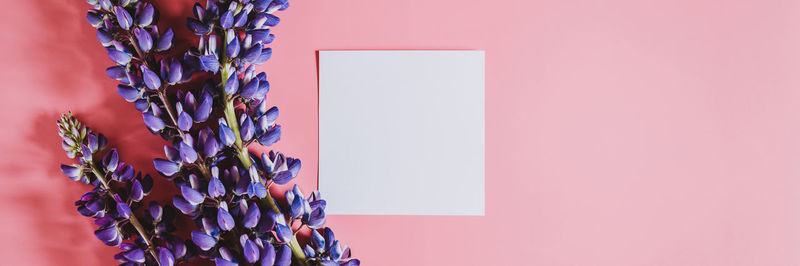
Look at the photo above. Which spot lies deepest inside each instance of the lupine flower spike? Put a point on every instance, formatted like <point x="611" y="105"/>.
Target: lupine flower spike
<point x="118" y="191"/>
<point x="223" y="187"/>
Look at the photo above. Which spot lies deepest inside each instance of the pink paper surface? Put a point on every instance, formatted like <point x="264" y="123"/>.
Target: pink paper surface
<point x="617" y="132"/>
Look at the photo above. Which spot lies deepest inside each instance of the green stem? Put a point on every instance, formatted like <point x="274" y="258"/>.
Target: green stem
<point x="134" y="221"/>
<point x="244" y="156"/>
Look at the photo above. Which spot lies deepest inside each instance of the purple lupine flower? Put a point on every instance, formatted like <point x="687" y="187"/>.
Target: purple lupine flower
<point x="112" y="206"/>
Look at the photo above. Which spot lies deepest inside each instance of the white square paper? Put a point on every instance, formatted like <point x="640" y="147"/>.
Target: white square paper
<point x="402" y="132"/>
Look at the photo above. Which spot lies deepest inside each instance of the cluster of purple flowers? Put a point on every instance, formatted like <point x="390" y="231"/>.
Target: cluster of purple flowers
<point x="118" y="192"/>
<point x="223" y="187"/>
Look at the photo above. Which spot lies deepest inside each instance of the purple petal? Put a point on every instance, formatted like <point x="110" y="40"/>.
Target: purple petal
<point x="259" y="35"/>
<point x="106" y="39"/>
<point x="144" y="39"/>
<point x="144" y="15"/>
<point x="231" y="85"/>
<point x="225" y="220"/>
<point x="165" y="41"/>
<point x="156" y="211"/>
<point x="94" y="18"/>
<point x="197" y="27"/>
<point x="252" y="216"/>
<point x="123" y="17"/>
<point x="272" y="136"/>
<point x="135" y="255"/>
<point x="185" y="121"/>
<point x="165" y="167"/>
<point x="250" y="251"/>
<point x="151" y="79"/>
<point x="251" y="54"/>
<point x="152" y="122"/>
<point x="175" y="71"/>
<point x="211" y="146"/>
<point x="203" y="241"/>
<point x="192" y="196"/>
<point x="282" y="177"/>
<point x="226" y="20"/>
<point x="204" y="109"/>
<point x="216" y="188"/>
<point x="184" y="206"/>
<point x="165" y="257"/>
<point x="318" y="241"/>
<point x="209" y="63"/>
<point x="111" y="160"/>
<point x="232" y="50"/>
<point x="247" y="129"/>
<point x="224" y="262"/>
<point x="283" y="256"/>
<point x="226" y="135"/>
<point x="73" y="172"/>
<point x="265" y="55"/>
<point x="284" y="233"/>
<point x="123" y="210"/>
<point x="116" y="72"/>
<point x="129" y="93"/>
<point x="250" y="89"/>
<point x="137" y="192"/>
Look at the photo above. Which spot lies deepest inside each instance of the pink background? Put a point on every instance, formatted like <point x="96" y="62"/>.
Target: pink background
<point x="617" y="132"/>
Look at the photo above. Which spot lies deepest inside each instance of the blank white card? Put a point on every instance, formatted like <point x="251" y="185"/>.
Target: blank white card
<point x="402" y="132"/>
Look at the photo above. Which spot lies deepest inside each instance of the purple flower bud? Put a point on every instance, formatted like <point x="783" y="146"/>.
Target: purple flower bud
<point x="232" y="85"/>
<point x="119" y="57"/>
<point x="273" y="135"/>
<point x="294" y="165"/>
<point x="257" y="190"/>
<point x="267" y="254"/>
<point x="241" y="19"/>
<point x="144" y="39"/>
<point x="225" y="220"/>
<point x="261" y="6"/>
<point x="252" y="216"/>
<point x="184" y="121"/>
<point x="165" y="257"/>
<point x="204" y="109"/>
<point x="272" y="20"/>
<point x="71" y="171"/>
<point x="283" y="256"/>
<point x="251" y="54"/>
<point x="211" y="146"/>
<point x="209" y="63"/>
<point x="216" y="188"/>
<point x="109" y="235"/>
<point x="250" y="89"/>
<point x="316" y="219"/>
<point x="116" y="72"/>
<point x="144" y="14"/>
<point x="165" y="41"/>
<point x="123" y="210"/>
<point x="226" y="135"/>
<point x="282" y="177"/>
<point x="124" y="172"/>
<point x="250" y="251"/>
<point x="123" y="17"/>
<point x="94" y="18"/>
<point x="165" y="167"/>
<point x="266" y="53"/>
<point x="226" y="20"/>
<point x="188" y="154"/>
<point x="203" y="241"/>
<point x="318" y="241"/>
<point x="197" y="27"/>
<point x="155" y="211"/>
<point x="153" y="122"/>
<point x="284" y="233"/>
<point x="105" y="38"/>
<point x="86" y="152"/>
<point x="272" y="115"/>
<point x="247" y="128"/>
<point x="129" y="93"/>
<point x="151" y="79"/>
<point x="192" y="196"/>
<point x="184" y="206"/>
<point x="137" y="192"/>
<point x="259" y="35"/>
<point x="232" y="50"/>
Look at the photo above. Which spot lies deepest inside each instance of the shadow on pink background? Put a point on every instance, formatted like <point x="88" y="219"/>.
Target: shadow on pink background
<point x="617" y="132"/>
